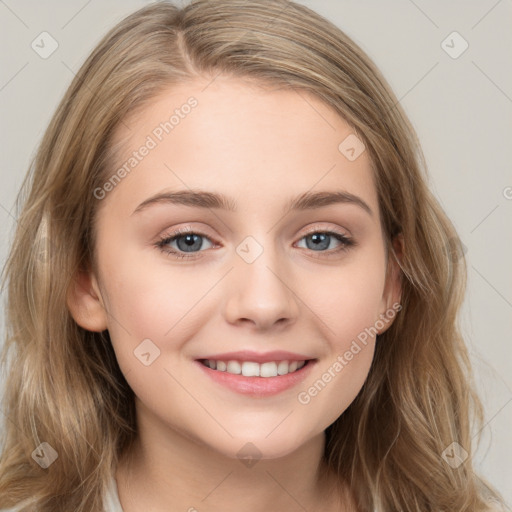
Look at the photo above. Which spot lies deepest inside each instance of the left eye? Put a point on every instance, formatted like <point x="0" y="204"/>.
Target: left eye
<point x="189" y="242"/>
<point x="320" y="240"/>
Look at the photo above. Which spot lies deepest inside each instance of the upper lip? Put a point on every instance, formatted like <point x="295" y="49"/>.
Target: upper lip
<point x="258" y="357"/>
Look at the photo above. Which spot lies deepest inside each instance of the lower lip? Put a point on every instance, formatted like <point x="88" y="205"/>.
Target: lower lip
<point x="258" y="386"/>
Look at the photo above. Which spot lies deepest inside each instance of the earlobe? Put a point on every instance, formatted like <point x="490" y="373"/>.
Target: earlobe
<point x="85" y="302"/>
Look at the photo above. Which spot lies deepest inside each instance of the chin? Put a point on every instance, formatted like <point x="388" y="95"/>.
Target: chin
<point x="260" y="446"/>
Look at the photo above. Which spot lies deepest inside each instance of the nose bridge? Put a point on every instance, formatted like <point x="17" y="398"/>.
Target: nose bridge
<point x="259" y="290"/>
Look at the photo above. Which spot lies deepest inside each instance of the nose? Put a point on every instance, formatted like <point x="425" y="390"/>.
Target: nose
<point x="260" y="293"/>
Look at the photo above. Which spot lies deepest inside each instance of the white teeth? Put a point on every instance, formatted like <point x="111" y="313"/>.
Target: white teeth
<point x="282" y="367"/>
<point x="268" y="370"/>
<point x="234" y="367"/>
<point x="252" y="369"/>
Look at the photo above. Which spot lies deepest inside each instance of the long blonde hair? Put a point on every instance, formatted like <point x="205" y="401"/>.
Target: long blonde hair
<point x="64" y="386"/>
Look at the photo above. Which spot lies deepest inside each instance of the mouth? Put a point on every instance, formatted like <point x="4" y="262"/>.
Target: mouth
<point x="253" y="369"/>
<point x="248" y="373"/>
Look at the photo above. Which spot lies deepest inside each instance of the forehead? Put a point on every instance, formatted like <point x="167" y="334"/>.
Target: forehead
<point x="233" y="135"/>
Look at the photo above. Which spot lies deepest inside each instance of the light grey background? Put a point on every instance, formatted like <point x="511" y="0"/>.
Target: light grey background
<point x="461" y="108"/>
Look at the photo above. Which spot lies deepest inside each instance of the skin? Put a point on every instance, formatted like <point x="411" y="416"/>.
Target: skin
<point x="260" y="147"/>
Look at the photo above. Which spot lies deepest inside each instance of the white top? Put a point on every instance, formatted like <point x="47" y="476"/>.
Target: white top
<point x="112" y="504"/>
<point x="111" y="500"/>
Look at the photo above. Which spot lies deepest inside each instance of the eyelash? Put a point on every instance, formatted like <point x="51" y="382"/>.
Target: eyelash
<point x="163" y="242"/>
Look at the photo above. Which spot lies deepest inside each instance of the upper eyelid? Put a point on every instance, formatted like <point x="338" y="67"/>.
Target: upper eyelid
<point x="315" y="229"/>
<point x="198" y="231"/>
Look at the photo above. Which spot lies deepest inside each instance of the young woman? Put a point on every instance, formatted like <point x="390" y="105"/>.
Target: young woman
<point x="230" y="287"/>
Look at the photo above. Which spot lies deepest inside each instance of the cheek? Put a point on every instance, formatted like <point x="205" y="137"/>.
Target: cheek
<point x="145" y="302"/>
<point x="349" y="311"/>
<point x="350" y="328"/>
<point x="348" y="299"/>
<point x="144" y="288"/>
<point x="336" y="384"/>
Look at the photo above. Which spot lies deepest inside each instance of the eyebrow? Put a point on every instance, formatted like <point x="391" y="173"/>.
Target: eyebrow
<point x="203" y="199"/>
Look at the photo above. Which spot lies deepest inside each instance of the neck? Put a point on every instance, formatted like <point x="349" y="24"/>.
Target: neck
<point x="165" y="466"/>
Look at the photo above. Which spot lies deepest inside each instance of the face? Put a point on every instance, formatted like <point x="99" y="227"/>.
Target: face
<point x="285" y="277"/>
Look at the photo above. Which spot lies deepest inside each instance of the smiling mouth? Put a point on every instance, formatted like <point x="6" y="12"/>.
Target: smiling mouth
<point x="254" y="369"/>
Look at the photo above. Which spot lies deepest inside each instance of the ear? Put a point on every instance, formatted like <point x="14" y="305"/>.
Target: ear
<point x="85" y="302"/>
<point x="393" y="287"/>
